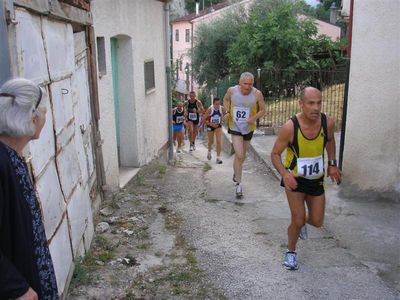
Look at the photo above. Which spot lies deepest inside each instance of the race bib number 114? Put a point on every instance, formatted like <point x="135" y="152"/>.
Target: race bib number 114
<point x="310" y="167"/>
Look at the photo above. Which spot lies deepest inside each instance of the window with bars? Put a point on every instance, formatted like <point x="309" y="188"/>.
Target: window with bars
<point x="177" y="35"/>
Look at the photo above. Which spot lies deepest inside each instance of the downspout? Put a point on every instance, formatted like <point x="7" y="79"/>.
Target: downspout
<point x="168" y="80"/>
<point x="5" y="65"/>
<point x="346" y="88"/>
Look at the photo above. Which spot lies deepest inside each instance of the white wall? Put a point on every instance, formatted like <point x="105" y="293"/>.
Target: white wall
<point x="371" y="154"/>
<point x="143" y="22"/>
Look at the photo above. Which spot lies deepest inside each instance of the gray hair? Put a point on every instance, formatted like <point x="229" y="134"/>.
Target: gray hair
<point x="20" y="100"/>
<point x="246" y="75"/>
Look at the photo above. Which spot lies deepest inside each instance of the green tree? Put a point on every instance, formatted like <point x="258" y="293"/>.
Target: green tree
<point x="211" y="43"/>
<point x="274" y="37"/>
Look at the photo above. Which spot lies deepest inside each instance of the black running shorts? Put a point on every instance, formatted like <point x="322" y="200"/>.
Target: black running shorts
<point x="312" y="187"/>
<point x="246" y="137"/>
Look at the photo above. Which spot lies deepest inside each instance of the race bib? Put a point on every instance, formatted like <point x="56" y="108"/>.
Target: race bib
<point x="180" y="119"/>
<point x="241" y="114"/>
<point x="215" y="120"/>
<point x="310" y="167"/>
<point x="193" y="116"/>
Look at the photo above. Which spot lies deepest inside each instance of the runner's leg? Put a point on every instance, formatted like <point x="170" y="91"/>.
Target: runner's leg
<point x="238" y="146"/>
<point x="298" y="217"/>
<point x="316" y="210"/>
<point x="210" y="139"/>
<point x="218" y="137"/>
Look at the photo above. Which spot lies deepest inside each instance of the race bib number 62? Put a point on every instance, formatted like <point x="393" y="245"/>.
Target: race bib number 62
<point x="241" y="114"/>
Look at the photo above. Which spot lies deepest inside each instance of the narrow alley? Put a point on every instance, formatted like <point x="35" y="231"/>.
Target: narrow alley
<point x="179" y="233"/>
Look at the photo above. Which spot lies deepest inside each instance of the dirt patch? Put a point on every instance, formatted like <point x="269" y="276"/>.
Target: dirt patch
<point x="141" y="254"/>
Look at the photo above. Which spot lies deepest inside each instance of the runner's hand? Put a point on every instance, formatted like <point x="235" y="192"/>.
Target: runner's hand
<point x="29" y="295"/>
<point x="335" y="174"/>
<point x="289" y="180"/>
<point x="251" y="120"/>
<point x="225" y="117"/>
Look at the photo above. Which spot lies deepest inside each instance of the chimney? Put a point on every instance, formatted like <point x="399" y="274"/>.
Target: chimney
<point x="197" y="7"/>
<point x="333" y="15"/>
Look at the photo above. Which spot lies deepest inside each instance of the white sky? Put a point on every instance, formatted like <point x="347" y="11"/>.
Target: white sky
<point x="312" y="2"/>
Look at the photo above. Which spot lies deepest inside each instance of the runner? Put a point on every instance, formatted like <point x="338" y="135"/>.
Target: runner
<point x="213" y="118"/>
<point x="305" y="137"/>
<point x="241" y="101"/>
<point x="193" y="109"/>
<point x="178" y="117"/>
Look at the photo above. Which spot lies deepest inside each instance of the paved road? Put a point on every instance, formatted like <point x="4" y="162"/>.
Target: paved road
<point x="240" y="243"/>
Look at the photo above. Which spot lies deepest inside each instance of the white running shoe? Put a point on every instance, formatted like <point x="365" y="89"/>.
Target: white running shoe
<point x="303" y="235"/>
<point x="191" y="147"/>
<point x="239" y="190"/>
<point x="218" y="161"/>
<point x="178" y="150"/>
<point x="290" y="261"/>
<point x="209" y="155"/>
<point x="194" y="147"/>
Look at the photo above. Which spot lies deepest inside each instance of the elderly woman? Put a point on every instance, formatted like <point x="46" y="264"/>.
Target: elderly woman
<point x="26" y="268"/>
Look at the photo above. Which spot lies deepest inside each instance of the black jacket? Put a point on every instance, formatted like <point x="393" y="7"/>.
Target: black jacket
<point x="18" y="269"/>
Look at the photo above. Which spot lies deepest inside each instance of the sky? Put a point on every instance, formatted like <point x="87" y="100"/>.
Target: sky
<point x="312" y="2"/>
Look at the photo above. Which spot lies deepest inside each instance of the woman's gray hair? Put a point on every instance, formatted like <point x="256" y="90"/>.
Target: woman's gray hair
<point x="246" y="75"/>
<point x="20" y="100"/>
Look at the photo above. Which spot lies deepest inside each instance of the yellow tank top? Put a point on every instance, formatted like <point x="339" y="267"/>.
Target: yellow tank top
<point x="306" y="156"/>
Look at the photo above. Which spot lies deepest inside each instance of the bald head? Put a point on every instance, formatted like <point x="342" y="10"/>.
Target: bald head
<point x="310" y="92"/>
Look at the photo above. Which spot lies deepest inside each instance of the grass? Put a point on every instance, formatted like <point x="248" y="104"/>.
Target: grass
<point x="81" y="273"/>
<point x="279" y="110"/>
<point x="162" y="169"/>
<point x="207" y="167"/>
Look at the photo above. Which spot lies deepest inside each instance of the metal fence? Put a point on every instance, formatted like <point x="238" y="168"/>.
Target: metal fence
<point x="282" y="88"/>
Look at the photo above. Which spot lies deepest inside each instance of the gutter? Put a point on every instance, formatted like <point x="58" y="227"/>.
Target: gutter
<point x="168" y="80"/>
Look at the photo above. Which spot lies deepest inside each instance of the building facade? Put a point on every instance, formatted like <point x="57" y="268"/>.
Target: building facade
<point x="132" y="84"/>
<point x="371" y="160"/>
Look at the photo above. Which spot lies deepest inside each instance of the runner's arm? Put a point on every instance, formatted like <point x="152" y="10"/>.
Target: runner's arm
<point x="284" y="138"/>
<point x="227" y="104"/>
<point x="261" y="106"/>
<point x="333" y="171"/>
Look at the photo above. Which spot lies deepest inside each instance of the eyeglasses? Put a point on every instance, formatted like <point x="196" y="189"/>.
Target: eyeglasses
<point x="40" y="97"/>
<point x="37" y="102"/>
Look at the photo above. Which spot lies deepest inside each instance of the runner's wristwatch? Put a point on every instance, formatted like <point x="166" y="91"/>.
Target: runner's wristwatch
<point x="332" y="163"/>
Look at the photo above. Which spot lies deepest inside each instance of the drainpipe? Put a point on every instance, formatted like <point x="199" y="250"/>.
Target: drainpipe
<point x="346" y="88"/>
<point x="168" y="80"/>
<point x="5" y="65"/>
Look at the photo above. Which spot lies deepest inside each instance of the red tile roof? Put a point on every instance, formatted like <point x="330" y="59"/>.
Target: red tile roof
<point x="203" y="12"/>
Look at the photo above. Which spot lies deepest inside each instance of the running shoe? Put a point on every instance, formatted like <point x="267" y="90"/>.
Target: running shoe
<point x="191" y="147"/>
<point x="303" y="235"/>
<point x="239" y="191"/>
<point x="218" y="161"/>
<point x="194" y="146"/>
<point x="290" y="262"/>
<point x="178" y="150"/>
<point x="234" y="178"/>
<point x="209" y="155"/>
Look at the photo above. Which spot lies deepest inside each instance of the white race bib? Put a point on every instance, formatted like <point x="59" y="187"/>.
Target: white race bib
<point x="215" y="119"/>
<point x="193" y="116"/>
<point x="241" y="114"/>
<point x="310" y="167"/>
<point x="180" y="119"/>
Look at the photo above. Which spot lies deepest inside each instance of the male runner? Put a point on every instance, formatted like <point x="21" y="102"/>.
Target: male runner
<point x="241" y="101"/>
<point x="193" y="109"/>
<point x="305" y="136"/>
<point x="213" y="118"/>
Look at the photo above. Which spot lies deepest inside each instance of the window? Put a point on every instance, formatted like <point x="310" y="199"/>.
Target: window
<point x="101" y="56"/>
<point x="177" y="35"/>
<point x="149" y="81"/>
<point x="187" y="35"/>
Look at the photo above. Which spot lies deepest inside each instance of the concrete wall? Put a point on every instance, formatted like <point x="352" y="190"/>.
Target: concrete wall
<point x="371" y="154"/>
<point x="139" y="23"/>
